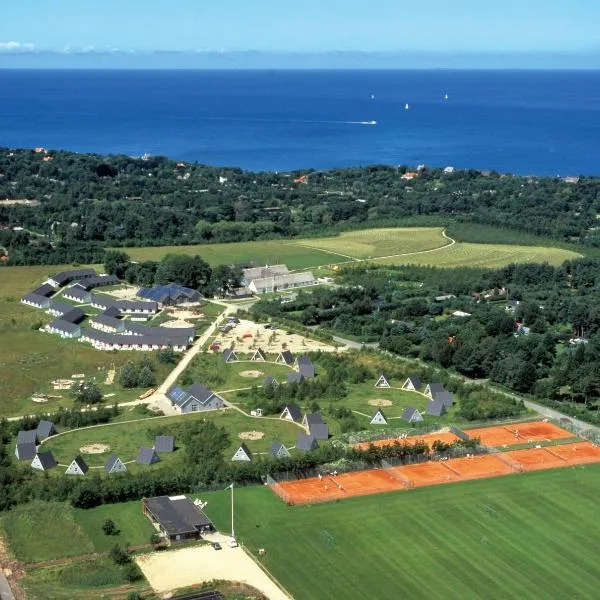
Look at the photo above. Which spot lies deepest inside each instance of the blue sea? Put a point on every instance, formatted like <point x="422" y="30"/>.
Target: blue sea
<point x="542" y="122"/>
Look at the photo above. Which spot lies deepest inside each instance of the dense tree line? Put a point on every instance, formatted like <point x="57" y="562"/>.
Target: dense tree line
<point x="79" y="202"/>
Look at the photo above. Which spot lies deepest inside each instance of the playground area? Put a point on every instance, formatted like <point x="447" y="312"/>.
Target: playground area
<point x="375" y="481"/>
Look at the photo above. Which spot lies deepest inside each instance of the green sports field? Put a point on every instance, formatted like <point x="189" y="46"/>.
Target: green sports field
<point x="530" y="536"/>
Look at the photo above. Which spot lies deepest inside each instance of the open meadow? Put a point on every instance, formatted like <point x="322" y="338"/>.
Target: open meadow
<point x="407" y="245"/>
<point x="520" y="536"/>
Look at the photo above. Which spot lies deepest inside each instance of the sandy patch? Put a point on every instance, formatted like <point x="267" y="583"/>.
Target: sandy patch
<point x="39" y="399"/>
<point x="176" y="323"/>
<point x="184" y="314"/>
<point x="251" y="435"/>
<point x="251" y="373"/>
<point x="124" y="293"/>
<point x="110" y="377"/>
<point x="94" y="449"/>
<point x="380" y="402"/>
<point x="167" y="571"/>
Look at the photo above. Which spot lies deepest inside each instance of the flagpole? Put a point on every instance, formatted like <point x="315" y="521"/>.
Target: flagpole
<point x="232" y="530"/>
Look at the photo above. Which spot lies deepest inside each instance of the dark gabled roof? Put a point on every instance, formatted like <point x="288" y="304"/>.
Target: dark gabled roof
<point x="306" y="366"/>
<point x="59" y="307"/>
<point x="176" y="394"/>
<point x="288" y="357"/>
<point x="200" y="393"/>
<point x="415" y="380"/>
<point x="75" y="315"/>
<point x="270" y="381"/>
<point x="26" y="450"/>
<point x="66" y="276"/>
<point x="276" y="447"/>
<point x="445" y="397"/>
<point x="229" y="354"/>
<point x="294" y="411"/>
<point x="107" y="321"/>
<point x="408" y="413"/>
<point x="110" y="462"/>
<point x="34" y="298"/>
<point x="61" y="325"/>
<point x="295" y="377"/>
<point x="101" y="300"/>
<point x="77" y="292"/>
<point x="434" y="388"/>
<point x="45" y="429"/>
<point x="306" y="442"/>
<point x="320" y="431"/>
<point x="164" y="443"/>
<point x="313" y="418"/>
<point x="147" y="456"/>
<point x="47" y="460"/>
<point x="435" y="408"/>
<point x="111" y="311"/>
<point x="246" y="450"/>
<point x="44" y="290"/>
<point x="261" y="353"/>
<point x="81" y="464"/>
<point x="177" y="516"/>
<point x="379" y="411"/>
<point x="27" y="437"/>
<point x="93" y="282"/>
<point x="172" y="291"/>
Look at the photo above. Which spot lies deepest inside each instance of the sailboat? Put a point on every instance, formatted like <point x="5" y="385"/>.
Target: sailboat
<point x="406" y="106"/>
<point x="445" y="96"/>
<point x="372" y="96"/>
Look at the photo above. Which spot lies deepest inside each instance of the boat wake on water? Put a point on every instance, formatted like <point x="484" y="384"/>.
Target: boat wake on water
<point x="274" y="121"/>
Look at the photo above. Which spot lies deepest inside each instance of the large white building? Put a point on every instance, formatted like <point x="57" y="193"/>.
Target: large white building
<point x="260" y="280"/>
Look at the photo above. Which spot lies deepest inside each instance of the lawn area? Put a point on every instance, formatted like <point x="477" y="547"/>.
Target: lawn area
<point x="369" y="243"/>
<point x="529" y="536"/>
<point x="30" y="359"/>
<point x="125" y="439"/>
<point x="484" y="256"/>
<point x="212" y="370"/>
<point x="86" y="580"/>
<point x="261" y="253"/>
<point x="43" y="531"/>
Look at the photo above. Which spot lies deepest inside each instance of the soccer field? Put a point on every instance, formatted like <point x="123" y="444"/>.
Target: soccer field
<point x="527" y="536"/>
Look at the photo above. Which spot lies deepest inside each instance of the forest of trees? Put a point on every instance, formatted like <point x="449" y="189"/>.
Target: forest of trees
<point x="547" y="342"/>
<point x="80" y="203"/>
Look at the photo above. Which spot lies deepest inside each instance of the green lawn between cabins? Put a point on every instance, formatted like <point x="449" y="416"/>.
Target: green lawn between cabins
<point x="531" y="536"/>
<point x="125" y="439"/>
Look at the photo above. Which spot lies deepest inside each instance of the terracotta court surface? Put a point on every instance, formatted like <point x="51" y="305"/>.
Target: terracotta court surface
<point x="518" y="433"/>
<point x="428" y="438"/>
<point x="375" y="481"/>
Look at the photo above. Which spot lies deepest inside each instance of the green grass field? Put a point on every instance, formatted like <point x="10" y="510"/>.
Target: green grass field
<point x="125" y="439"/>
<point x="484" y="256"/>
<point x="527" y="536"/>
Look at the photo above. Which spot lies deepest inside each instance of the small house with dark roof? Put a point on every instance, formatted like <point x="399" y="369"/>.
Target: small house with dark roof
<point x="36" y="300"/>
<point x="278" y="450"/>
<point x="445" y="397"/>
<point x="382" y="382"/>
<point x="108" y="323"/>
<point x="43" y="461"/>
<point x="259" y="355"/>
<point x="312" y="419"/>
<point x="436" y="408"/>
<point x="45" y="429"/>
<point x="306" y="442"/>
<point x="65" y="277"/>
<point x="305" y="367"/>
<point x="25" y="450"/>
<point x="412" y="383"/>
<point x="75" y="315"/>
<point x="101" y="302"/>
<point x="58" y="308"/>
<point x="412" y="415"/>
<point x="229" y="355"/>
<point x="64" y="328"/>
<point x="320" y="431"/>
<point x="114" y="464"/>
<point x="77" y="467"/>
<point x="177" y="518"/>
<point x="27" y="437"/>
<point x="285" y="358"/>
<point x="44" y="290"/>
<point x="291" y="413"/>
<point x="295" y="378"/>
<point x="196" y="399"/>
<point x="147" y="456"/>
<point x="164" y="444"/>
<point x="77" y="293"/>
<point x="378" y="418"/>
<point x="270" y="381"/>
<point x="433" y="388"/>
<point x="242" y="454"/>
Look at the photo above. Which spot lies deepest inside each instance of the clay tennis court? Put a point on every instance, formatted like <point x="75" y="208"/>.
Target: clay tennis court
<point x="428" y="438"/>
<point x="376" y="481"/>
<point x="518" y="433"/>
<point x="551" y="457"/>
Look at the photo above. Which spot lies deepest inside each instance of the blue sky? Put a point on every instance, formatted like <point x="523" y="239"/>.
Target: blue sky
<point x="67" y="27"/>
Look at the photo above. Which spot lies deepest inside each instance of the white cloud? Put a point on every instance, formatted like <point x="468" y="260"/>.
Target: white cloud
<point x="16" y="47"/>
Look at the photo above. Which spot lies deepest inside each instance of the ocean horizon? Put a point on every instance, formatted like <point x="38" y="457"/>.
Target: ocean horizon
<point x="523" y="122"/>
